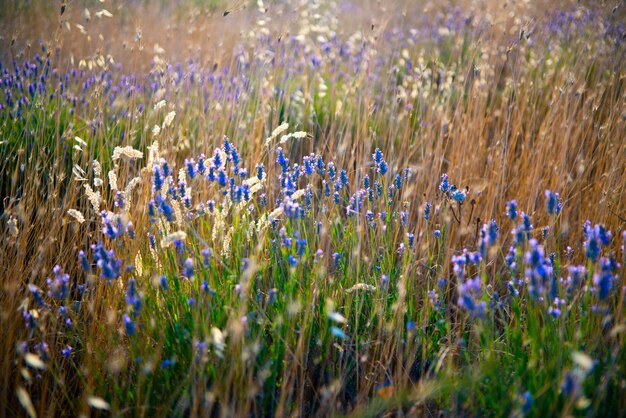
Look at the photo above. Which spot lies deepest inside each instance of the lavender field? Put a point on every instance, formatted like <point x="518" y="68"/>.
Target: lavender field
<point x="218" y="208"/>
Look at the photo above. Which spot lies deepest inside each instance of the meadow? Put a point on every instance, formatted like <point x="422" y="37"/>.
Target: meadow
<point x="312" y="208"/>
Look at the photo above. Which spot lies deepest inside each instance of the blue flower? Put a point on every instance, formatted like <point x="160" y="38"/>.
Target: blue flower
<point x="83" y="261"/>
<point x="217" y="159"/>
<point x="571" y="386"/>
<point x="384" y="281"/>
<point x="527" y="402"/>
<point x="188" y="269"/>
<point x="427" y="211"/>
<point x="67" y="351"/>
<point x="377" y="156"/>
<point x="201" y="167"/>
<point x="410" y="326"/>
<point x="379" y="188"/>
<point x="228" y="148"/>
<point x="319" y="165"/>
<point x="109" y="265"/>
<point x="331" y="170"/>
<point x="470" y="293"/>
<point x="129" y="325"/>
<point x="604" y="279"/>
<point x="459" y="195"/>
<point x="444" y="186"/>
<point x="595" y="238"/>
<point x="383" y="168"/>
<point x="222" y="179"/>
<point x="281" y="160"/>
<point x="398" y="181"/>
<point x="343" y="177"/>
<point x="307" y="161"/>
<point x="337" y="332"/>
<point x="37" y="295"/>
<point x="191" y="169"/>
<point x="336" y="258"/>
<point x="133" y="298"/>
<point x="234" y="157"/>
<point x="553" y="204"/>
<point x="526" y="223"/>
<point x="157" y="179"/>
<point x="404" y="217"/>
<point x="163" y="282"/>
<point x="511" y="209"/>
<point x="166" y="209"/>
<point x="300" y="246"/>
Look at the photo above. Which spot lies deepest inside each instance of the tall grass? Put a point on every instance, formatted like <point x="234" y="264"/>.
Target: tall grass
<point x="287" y="287"/>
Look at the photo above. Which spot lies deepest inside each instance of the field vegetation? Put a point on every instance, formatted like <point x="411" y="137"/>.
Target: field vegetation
<point x="312" y="208"/>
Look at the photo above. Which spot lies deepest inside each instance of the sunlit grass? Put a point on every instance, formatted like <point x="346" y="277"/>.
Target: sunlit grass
<point x="312" y="209"/>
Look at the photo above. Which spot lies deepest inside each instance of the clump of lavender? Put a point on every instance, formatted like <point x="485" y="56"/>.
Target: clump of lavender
<point x="539" y="271"/>
<point x="511" y="209"/>
<point x="595" y="238"/>
<point x="603" y="280"/>
<point x="470" y="294"/>
<point x="553" y="203"/>
<point x="470" y="290"/>
<point x="59" y="285"/>
<point x="451" y="191"/>
<point x="427" y="210"/>
<point x="488" y="237"/>
<point x="379" y="162"/>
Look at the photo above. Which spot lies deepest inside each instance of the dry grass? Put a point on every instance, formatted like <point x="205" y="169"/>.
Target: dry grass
<point x="506" y="115"/>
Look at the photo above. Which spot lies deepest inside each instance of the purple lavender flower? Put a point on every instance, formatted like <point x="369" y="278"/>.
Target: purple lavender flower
<point x="83" y="261"/>
<point x="511" y="209"/>
<point x="331" y="170"/>
<point x="157" y="179"/>
<point x="188" y="269"/>
<point x="539" y="269"/>
<point x="603" y="280"/>
<point x="383" y="168"/>
<point x="595" y="238"/>
<point x="201" y="167"/>
<point x="458" y="195"/>
<point x="163" y="282"/>
<point x="129" y="325"/>
<point x="107" y="262"/>
<point x="190" y="164"/>
<point x="67" y="351"/>
<point x="553" y="203"/>
<point x="444" y="186"/>
<point x="470" y="293"/>
<point x="377" y="156"/>
<point x="411" y="238"/>
<point x="133" y="298"/>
